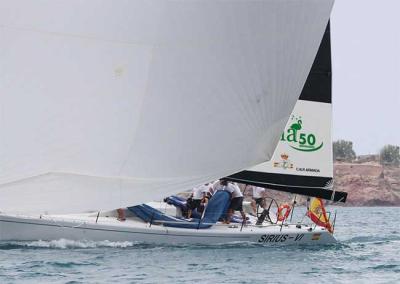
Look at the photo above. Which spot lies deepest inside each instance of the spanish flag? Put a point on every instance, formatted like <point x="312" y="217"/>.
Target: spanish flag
<point x="317" y="214"/>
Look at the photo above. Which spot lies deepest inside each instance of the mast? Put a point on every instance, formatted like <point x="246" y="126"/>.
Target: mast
<point x="302" y="162"/>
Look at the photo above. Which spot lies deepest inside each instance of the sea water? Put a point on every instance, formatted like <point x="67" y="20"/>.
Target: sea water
<point x="368" y="251"/>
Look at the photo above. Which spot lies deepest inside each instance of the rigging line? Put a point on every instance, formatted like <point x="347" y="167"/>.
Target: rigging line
<point x="294" y="204"/>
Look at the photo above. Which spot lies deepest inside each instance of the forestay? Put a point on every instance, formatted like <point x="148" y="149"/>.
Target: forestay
<point x="115" y="102"/>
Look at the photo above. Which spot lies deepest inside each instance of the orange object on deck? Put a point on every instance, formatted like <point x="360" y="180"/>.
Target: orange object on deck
<point x="281" y="216"/>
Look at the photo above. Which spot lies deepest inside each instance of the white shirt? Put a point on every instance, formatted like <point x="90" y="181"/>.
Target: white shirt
<point x="258" y="192"/>
<point x="216" y="185"/>
<point x="197" y="193"/>
<point x="234" y="189"/>
<point x="205" y="188"/>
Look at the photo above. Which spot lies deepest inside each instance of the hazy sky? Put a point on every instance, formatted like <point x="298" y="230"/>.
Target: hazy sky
<point x="366" y="72"/>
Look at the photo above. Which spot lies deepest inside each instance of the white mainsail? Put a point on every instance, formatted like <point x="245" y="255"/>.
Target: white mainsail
<point x="109" y="103"/>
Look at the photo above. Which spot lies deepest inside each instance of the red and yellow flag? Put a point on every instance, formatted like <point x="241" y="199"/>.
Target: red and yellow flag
<point x="317" y="214"/>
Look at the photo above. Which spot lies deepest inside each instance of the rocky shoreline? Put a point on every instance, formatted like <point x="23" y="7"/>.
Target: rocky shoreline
<point x="368" y="184"/>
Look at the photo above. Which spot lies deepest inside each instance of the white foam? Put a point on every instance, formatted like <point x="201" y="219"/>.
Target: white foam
<point x="65" y="244"/>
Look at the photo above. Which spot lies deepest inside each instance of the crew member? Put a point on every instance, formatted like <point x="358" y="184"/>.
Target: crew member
<point x="208" y="191"/>
<point x="258" y="198"/>
<point x="218" y="185"/>
<point x="236" y="201"/>
<point x="195" y="199"/>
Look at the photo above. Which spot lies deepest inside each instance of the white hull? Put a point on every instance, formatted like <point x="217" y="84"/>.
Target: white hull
<point x="84" y="227"/>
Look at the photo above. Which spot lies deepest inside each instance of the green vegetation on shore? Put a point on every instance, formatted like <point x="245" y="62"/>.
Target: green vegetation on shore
<point x="370" y="180"/>
<point x="343" y="151"/>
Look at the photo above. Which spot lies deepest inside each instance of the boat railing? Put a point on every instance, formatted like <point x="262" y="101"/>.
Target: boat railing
<point x="58" y="220"/>
<point x="232" y="225"/>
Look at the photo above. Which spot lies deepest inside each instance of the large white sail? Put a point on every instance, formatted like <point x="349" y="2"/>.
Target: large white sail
<point x="109" y="103"/>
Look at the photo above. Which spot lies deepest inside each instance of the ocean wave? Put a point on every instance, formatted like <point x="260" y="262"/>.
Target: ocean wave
<point x="87" y="244"/>
<point x="390" y="267"/>
<point x="373" y="239"/>
<point x="65" y="244"/>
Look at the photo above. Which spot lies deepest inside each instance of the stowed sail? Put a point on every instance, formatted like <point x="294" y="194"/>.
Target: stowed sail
<point x="115" y="103"/>
<point x="302" y="162"/>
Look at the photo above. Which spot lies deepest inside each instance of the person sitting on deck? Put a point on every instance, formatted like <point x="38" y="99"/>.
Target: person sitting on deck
<point x="208" y="190"/>
<point x="195" y="200"/>
<point x="258" y="198"/>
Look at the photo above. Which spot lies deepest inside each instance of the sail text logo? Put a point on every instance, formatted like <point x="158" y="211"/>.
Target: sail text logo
<point x="299" y="139"/>
<point x="285" y="163"/>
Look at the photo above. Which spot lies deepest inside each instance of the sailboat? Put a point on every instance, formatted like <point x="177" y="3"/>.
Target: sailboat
<point x="132" y="101"/>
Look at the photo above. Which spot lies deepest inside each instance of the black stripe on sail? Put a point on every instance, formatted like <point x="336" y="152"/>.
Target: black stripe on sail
<point x="303" y="185"/>
<point x="318" y="86"/>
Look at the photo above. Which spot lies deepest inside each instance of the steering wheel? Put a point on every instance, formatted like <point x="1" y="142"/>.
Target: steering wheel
<point x="270" y="201"/>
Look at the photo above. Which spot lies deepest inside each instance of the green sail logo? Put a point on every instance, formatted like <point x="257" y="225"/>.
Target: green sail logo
<point x="299" y="139"/>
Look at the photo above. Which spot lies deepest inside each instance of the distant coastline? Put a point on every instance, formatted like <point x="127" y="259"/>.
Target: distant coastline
<point x="368" y="183"/>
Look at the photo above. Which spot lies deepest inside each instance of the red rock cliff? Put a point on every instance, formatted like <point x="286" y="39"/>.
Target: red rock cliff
<point x="368" y="184"/>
